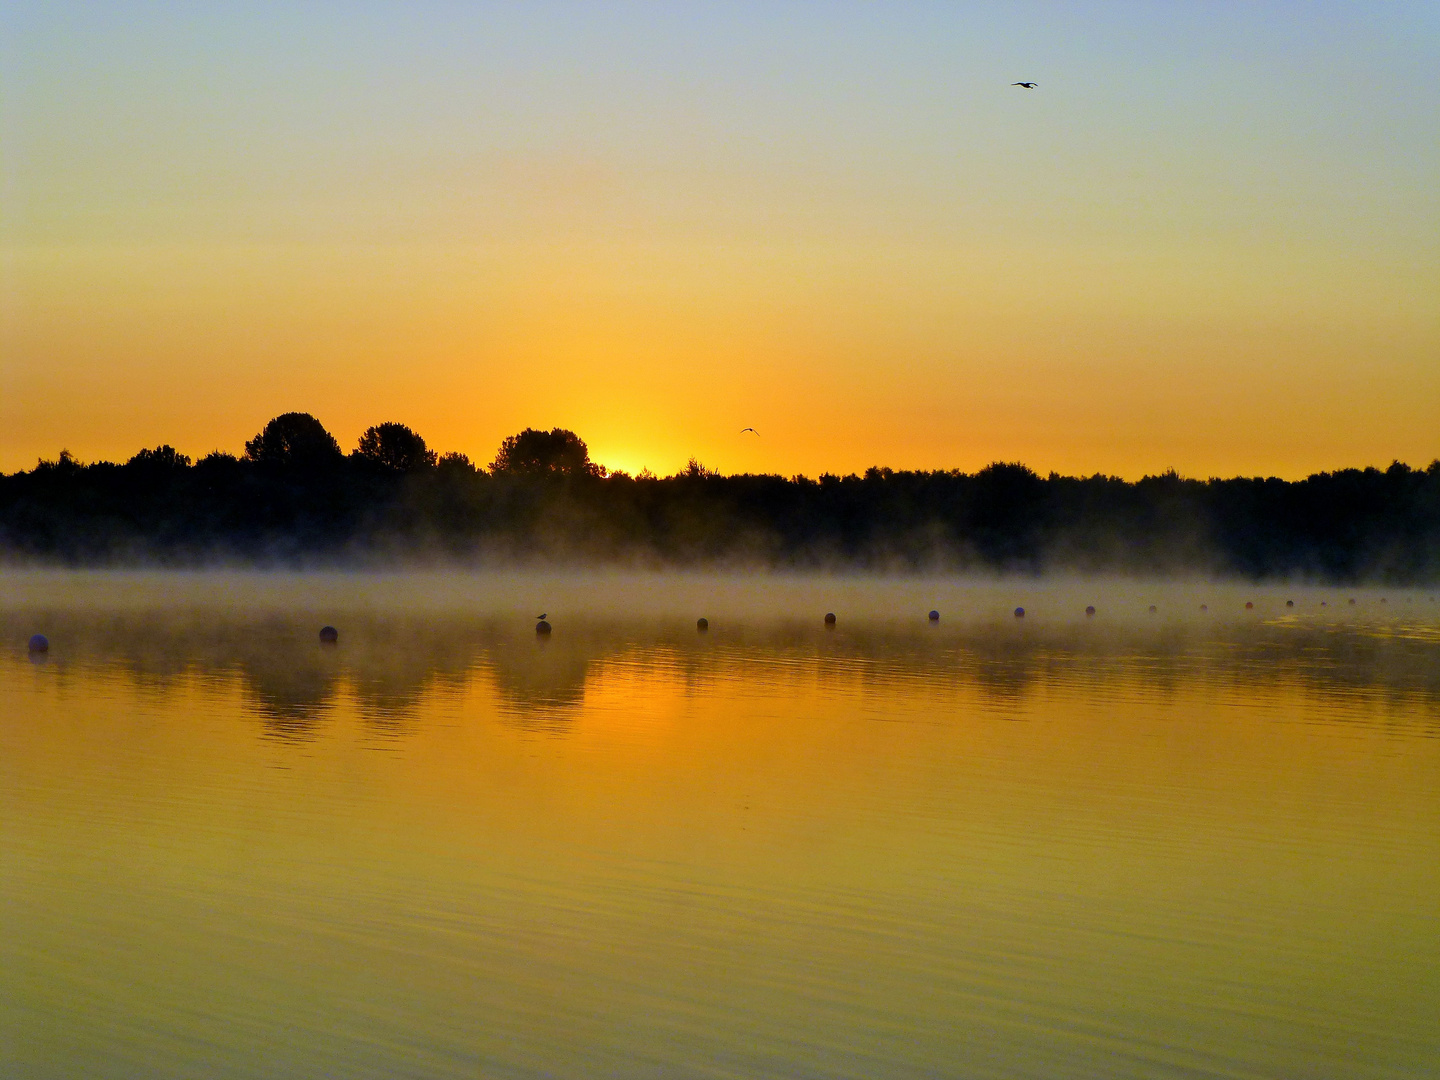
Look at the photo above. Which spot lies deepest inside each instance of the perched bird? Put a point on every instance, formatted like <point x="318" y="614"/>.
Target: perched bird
<point x="541" y="615"/>
<point x="1026" y="85"/>
<point x="751" y="430"/>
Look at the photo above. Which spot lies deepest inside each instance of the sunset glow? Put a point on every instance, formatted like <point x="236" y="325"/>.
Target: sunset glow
<point x="1207" y="240"/>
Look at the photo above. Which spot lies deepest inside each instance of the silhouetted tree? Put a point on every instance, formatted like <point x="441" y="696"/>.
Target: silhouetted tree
<point x="160" y="459"/>
<point x="395" y="446"/>
<point x="455" y="461"/>
<point x="539" y="452"/>
<point x="296" y="439"/>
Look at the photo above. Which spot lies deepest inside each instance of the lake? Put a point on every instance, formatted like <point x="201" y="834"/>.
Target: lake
<point x="1169" y="843"/>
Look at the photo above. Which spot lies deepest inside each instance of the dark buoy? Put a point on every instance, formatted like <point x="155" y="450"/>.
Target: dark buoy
<point x="1352" y="601"/>
<point x="329" y="635"/>
<point x="1019" y="613"/>
<point x="934" y="616"/>
<point x="1204" y="607"/>
<point x="542" y="628"/>
<point x="1324" y="604"/>
<point x="1152" y="609"/>
<point x="1289" y="603"/>
<point x="1248" y="605"/>
<point x="39" y="643"/>
<point x="1090" y="609"/>
<point x="1383" y="600"/>
<point x="702" y="624"/>
<point x="829" y="618"/>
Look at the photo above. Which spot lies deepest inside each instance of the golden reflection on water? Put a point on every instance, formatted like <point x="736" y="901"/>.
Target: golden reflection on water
<point x="986" y="848"/>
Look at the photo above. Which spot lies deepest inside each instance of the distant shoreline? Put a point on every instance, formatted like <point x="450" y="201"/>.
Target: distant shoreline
<point x="1347" y="526"/>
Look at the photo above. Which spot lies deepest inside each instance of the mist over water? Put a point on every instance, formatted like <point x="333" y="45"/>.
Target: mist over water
<point x="1134" y="843"/>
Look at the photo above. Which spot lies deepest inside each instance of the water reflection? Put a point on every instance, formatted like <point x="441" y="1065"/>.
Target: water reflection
<point x="388" y="667"/>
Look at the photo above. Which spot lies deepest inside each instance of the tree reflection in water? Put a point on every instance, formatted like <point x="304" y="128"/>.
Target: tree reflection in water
<point x="388" y="667"/>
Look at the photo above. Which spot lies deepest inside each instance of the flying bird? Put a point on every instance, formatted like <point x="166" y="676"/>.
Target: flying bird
<point x="1026" y="85"/>
<point x="751" y="430"/>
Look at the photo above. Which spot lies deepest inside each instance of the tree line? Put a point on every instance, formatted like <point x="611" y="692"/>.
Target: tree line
<point x="295" y="497"/>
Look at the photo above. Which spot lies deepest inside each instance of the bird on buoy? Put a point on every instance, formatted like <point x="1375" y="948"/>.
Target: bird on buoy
<point x="39" y="643"/>
<point x="829" y="618"/>
<point x="1090" y="609"/>
<point x="329" y="635"/>
<point x="934" y="616"/>
<point x="1019" y="613"/>
<point x="702" y="624"/>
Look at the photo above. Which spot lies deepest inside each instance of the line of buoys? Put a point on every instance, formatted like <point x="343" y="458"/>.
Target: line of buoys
<point x="39" y="643"/>
<point x="702" y="624"/>
<point x="1019" y="613"/>
<point x="829" y="618"/>
<point x="934" y="616"/>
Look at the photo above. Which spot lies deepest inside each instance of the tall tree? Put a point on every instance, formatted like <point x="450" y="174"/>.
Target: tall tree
<point x="294" y="439"/>
<point x="395" y="446"/>
<point x="540" y="452"/>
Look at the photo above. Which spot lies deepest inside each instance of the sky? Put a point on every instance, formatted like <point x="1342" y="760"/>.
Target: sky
<point x="1209" y="239"/>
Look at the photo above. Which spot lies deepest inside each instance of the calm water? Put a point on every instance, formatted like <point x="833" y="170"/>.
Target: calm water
<point x="1178" y="844"/>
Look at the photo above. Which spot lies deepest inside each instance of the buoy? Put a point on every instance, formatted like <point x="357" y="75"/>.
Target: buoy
<point x="39" y="643"/>
<point x="542" y="628"/>
<point x="829" y="618"/>
<point x="702" y="624"/>
<point x="1352" y="601"/>
<point x="329" y="635"/>
<point x="1152" y="609"/>
<point x="934" y="616"/>
<point x="1248" y="605"/>
<point x="1019" y="613"/>
<point x="1090" y="609"/>
<point x="1324" y="604"/>
<point x="1289" y="603"/>
<point x="1204" y="607"/>
<point x="1383" y="600"/>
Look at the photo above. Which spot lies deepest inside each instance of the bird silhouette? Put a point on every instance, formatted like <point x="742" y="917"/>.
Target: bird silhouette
<point x="751" y="430"/>
<point x="1026" y="85"/>
<point x="540" y="616"/>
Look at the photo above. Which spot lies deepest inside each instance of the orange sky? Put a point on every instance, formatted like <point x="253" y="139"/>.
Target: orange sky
<point x="1210" y="244"/>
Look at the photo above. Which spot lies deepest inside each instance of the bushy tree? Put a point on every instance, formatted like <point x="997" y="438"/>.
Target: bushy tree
<point x="395" y="446"/>
<point x="535" y="452"/>
<point x="161" y="458"/>
<point x="294" y="439"/>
